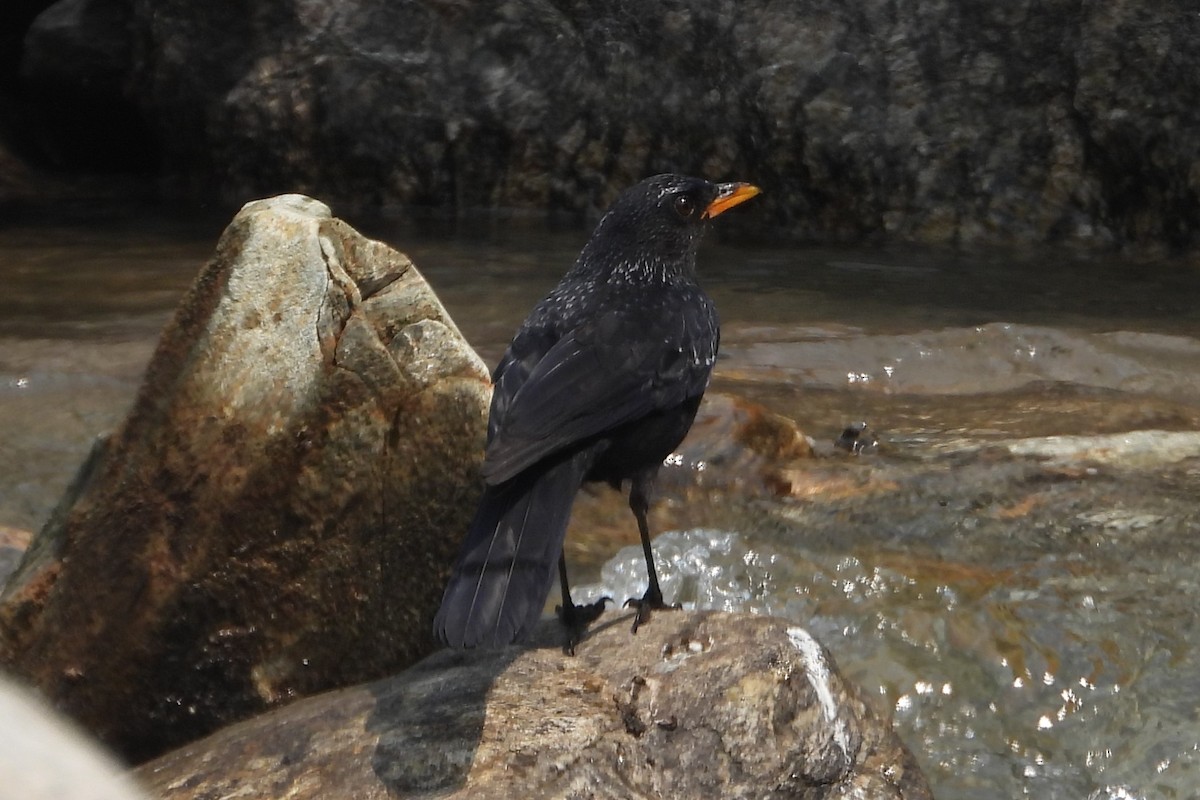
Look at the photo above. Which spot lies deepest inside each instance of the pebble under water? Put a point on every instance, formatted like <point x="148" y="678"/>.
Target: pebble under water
<point x="1011" y="571"/>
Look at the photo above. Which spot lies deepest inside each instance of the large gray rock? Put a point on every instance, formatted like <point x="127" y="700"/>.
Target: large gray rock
<point x="693" y="705"/>
<point x="275" y="517"/>
<point x="931" y="120"/>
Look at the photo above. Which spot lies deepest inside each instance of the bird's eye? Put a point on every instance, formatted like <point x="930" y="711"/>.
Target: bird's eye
<point x="685" y="206"/>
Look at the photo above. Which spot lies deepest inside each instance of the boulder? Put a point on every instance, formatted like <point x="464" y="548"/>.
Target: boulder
<point x="274" y="517"/>
<point x="694" y="705"/>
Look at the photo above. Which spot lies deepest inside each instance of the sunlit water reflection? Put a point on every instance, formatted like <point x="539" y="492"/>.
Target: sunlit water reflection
<point x="1037" y="680"/>
<point x="1012" y="574"/>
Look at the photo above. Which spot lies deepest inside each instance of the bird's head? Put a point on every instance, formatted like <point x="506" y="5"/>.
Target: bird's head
<point x="654" y="226"/>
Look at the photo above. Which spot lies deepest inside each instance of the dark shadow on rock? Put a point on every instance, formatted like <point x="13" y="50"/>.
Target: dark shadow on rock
<point x="428" y="727"/>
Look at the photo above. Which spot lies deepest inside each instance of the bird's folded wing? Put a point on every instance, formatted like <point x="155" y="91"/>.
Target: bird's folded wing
<point x="593" y="380"/>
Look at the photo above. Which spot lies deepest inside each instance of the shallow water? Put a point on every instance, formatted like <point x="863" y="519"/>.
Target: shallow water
<point x="1012" y="572"/>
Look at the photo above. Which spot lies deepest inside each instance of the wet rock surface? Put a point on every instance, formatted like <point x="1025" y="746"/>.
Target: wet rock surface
<point x="930" y="121"/>
<point x="270" y="520"/>
<point x="735" y="444"/>
<point x="693" y="705"/>
<point x="982" y="359"/>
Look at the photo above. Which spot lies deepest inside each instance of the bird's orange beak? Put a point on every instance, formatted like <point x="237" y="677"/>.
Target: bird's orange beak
<point x="728" y="196"/>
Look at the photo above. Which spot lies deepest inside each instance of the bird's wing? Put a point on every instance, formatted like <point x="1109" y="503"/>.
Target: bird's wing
<point x="526" y="351"/>
<point x="611" y="370"/>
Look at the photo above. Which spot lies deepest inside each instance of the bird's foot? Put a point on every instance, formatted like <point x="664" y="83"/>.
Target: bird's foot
<point x="576" y="618"/>
<point x="652" y="600"/>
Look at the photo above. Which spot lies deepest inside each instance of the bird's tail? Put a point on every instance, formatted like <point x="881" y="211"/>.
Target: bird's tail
<point x="504" y="572"/>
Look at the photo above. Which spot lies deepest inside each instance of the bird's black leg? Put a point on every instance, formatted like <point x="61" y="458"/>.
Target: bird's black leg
<point x="576" y="618"/>
<point x="652" y="600"/>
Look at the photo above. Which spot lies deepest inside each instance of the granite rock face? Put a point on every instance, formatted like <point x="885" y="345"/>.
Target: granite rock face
<point x="694" y="705"/>
<point x="924" y="120"/>
<point x="271" y="519"/>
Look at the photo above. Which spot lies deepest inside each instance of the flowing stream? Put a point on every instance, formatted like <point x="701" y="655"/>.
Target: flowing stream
<point x="1011" y="571"/>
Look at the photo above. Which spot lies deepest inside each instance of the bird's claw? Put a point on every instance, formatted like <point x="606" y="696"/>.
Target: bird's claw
<point x="652" y="600"/>
<point x="576" y="618"/>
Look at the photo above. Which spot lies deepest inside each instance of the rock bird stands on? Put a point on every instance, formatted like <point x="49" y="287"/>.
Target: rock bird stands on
<point x="601" y="383"/>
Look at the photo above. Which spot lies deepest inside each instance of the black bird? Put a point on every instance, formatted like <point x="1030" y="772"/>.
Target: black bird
<point x="601" y="383"/>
